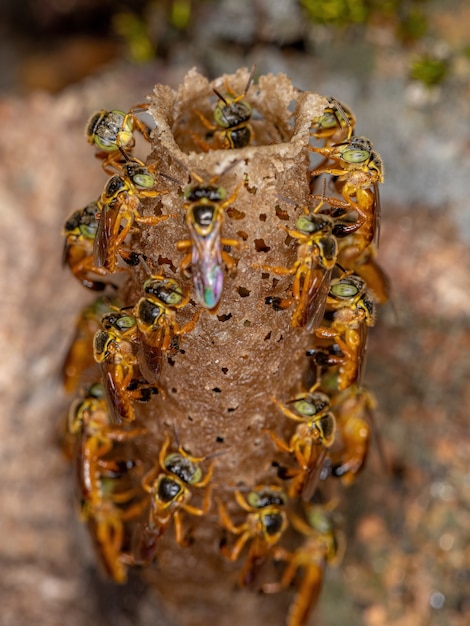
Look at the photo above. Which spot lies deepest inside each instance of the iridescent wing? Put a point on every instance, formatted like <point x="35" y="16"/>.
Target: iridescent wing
<point x="207" y="266"/>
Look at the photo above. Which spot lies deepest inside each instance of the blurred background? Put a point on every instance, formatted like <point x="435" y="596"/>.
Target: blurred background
<point x="403" y="66"/>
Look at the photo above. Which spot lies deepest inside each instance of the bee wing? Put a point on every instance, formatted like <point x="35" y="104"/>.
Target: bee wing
<point x="78" y="359"/>
<point x="104" y="236"/>
<point x="314" y="473"/>
<point x="120" y="407"/>
<point x="82" y="467"/>
<point x="145" y="541"/>
<point x="208" y="274"/>
<point x="377" y="215"/>
<point x="150" y="353"/>
<point x="361" y="353"/>
<point x="66" y="252"/>
<point x="311" y="307"/>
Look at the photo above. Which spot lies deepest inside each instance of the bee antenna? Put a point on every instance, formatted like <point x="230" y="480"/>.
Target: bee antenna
<point x="338" y="106"/>
<point x="219" y="95"/>
<point x="146" y="266"/>
<point x="177" y="439"/>
<point x="216" y="454"/>
<point x="124" y="154"/>
<point x="172" y="178"/>
<point x="284" y="199"/>
<point x="250" y="78"/>
<point x="229" y="167"/>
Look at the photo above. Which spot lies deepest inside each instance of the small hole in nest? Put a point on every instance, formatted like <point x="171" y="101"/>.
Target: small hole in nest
<point x="170" y="361"/>
<point x="232" y="409"/>
<point x="224" y="317"/>
<point x="190" y="418"/>
<point x="217" y="390"/>
<point x="235" y="214"/>
<point x="262" y="217"/>
<point x="280" y="338"/>
<point x="224" y="369"/>
<point x="247" y="323"/>
<point x="174" y="390"/>
<point x="219" y="439"/>
<point x="164" y="261"/>
<point x="265" y="275"/>
<point x="268" y="336"/>
<point x="281" y="214"/>
<point x="243" y="292"/>
<point x="242" y="234"/>
<point x="261" y="246"/>
<point x="275" y="282"/>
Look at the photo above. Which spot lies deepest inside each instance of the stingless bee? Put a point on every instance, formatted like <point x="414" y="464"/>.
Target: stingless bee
<point x="310" y="443"/>
<point x="113" y="131"/>
<point x="263" y="527"/>
<point x="113" y="348"/>
<point x="157" y="328"/>
<point x="205" y="205"/>
<point x="232" y="114"/>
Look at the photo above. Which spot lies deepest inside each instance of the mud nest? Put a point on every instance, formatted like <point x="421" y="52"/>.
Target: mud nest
<point x="219" y="406"/>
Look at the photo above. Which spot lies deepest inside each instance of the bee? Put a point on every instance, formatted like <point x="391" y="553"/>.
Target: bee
<point x="157" y="327"/>
<point x="359" y="170"/>
<point x="113" y="348"/>
<point x="170" y="486"/>
<point x="80" y="232"/>
<point x="351" y="310"/>
<point x="264" y="526"/>
<point x="320" y="548"/>
<point x="205" y="204"/>
<point x="93" y="437"/>
<point x="316" y="258"/>
<point x="313" y="437"/>
<point x="232" y="116"/>
<point x="366" y="266"/>
<point x="120" y="201"/>
<point x="105" y="524"/>
<point x="335" y="124"/>
<point x="80" y="354"/>
<point x="113" y="131"/>
<point x="353" y="410"/>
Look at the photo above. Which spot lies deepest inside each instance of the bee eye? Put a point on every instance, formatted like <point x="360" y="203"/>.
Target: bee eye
<point x="306" y="225"/>
<point x="352" y="155"/>
<point x="125" y="322"/>
<point x="144" y="180"/>
<point x="344" y="289"/>
<point x="89" y="231"/>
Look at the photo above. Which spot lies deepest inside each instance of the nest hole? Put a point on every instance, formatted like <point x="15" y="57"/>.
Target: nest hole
<point x="243" y="292"/>
<point x="235" y="214"/>
<point x="261" y="246"/>
<point x="281" y="213"/>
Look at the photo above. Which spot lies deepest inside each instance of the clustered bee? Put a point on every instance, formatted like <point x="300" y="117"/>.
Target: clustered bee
<point x="123" y="345"/>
